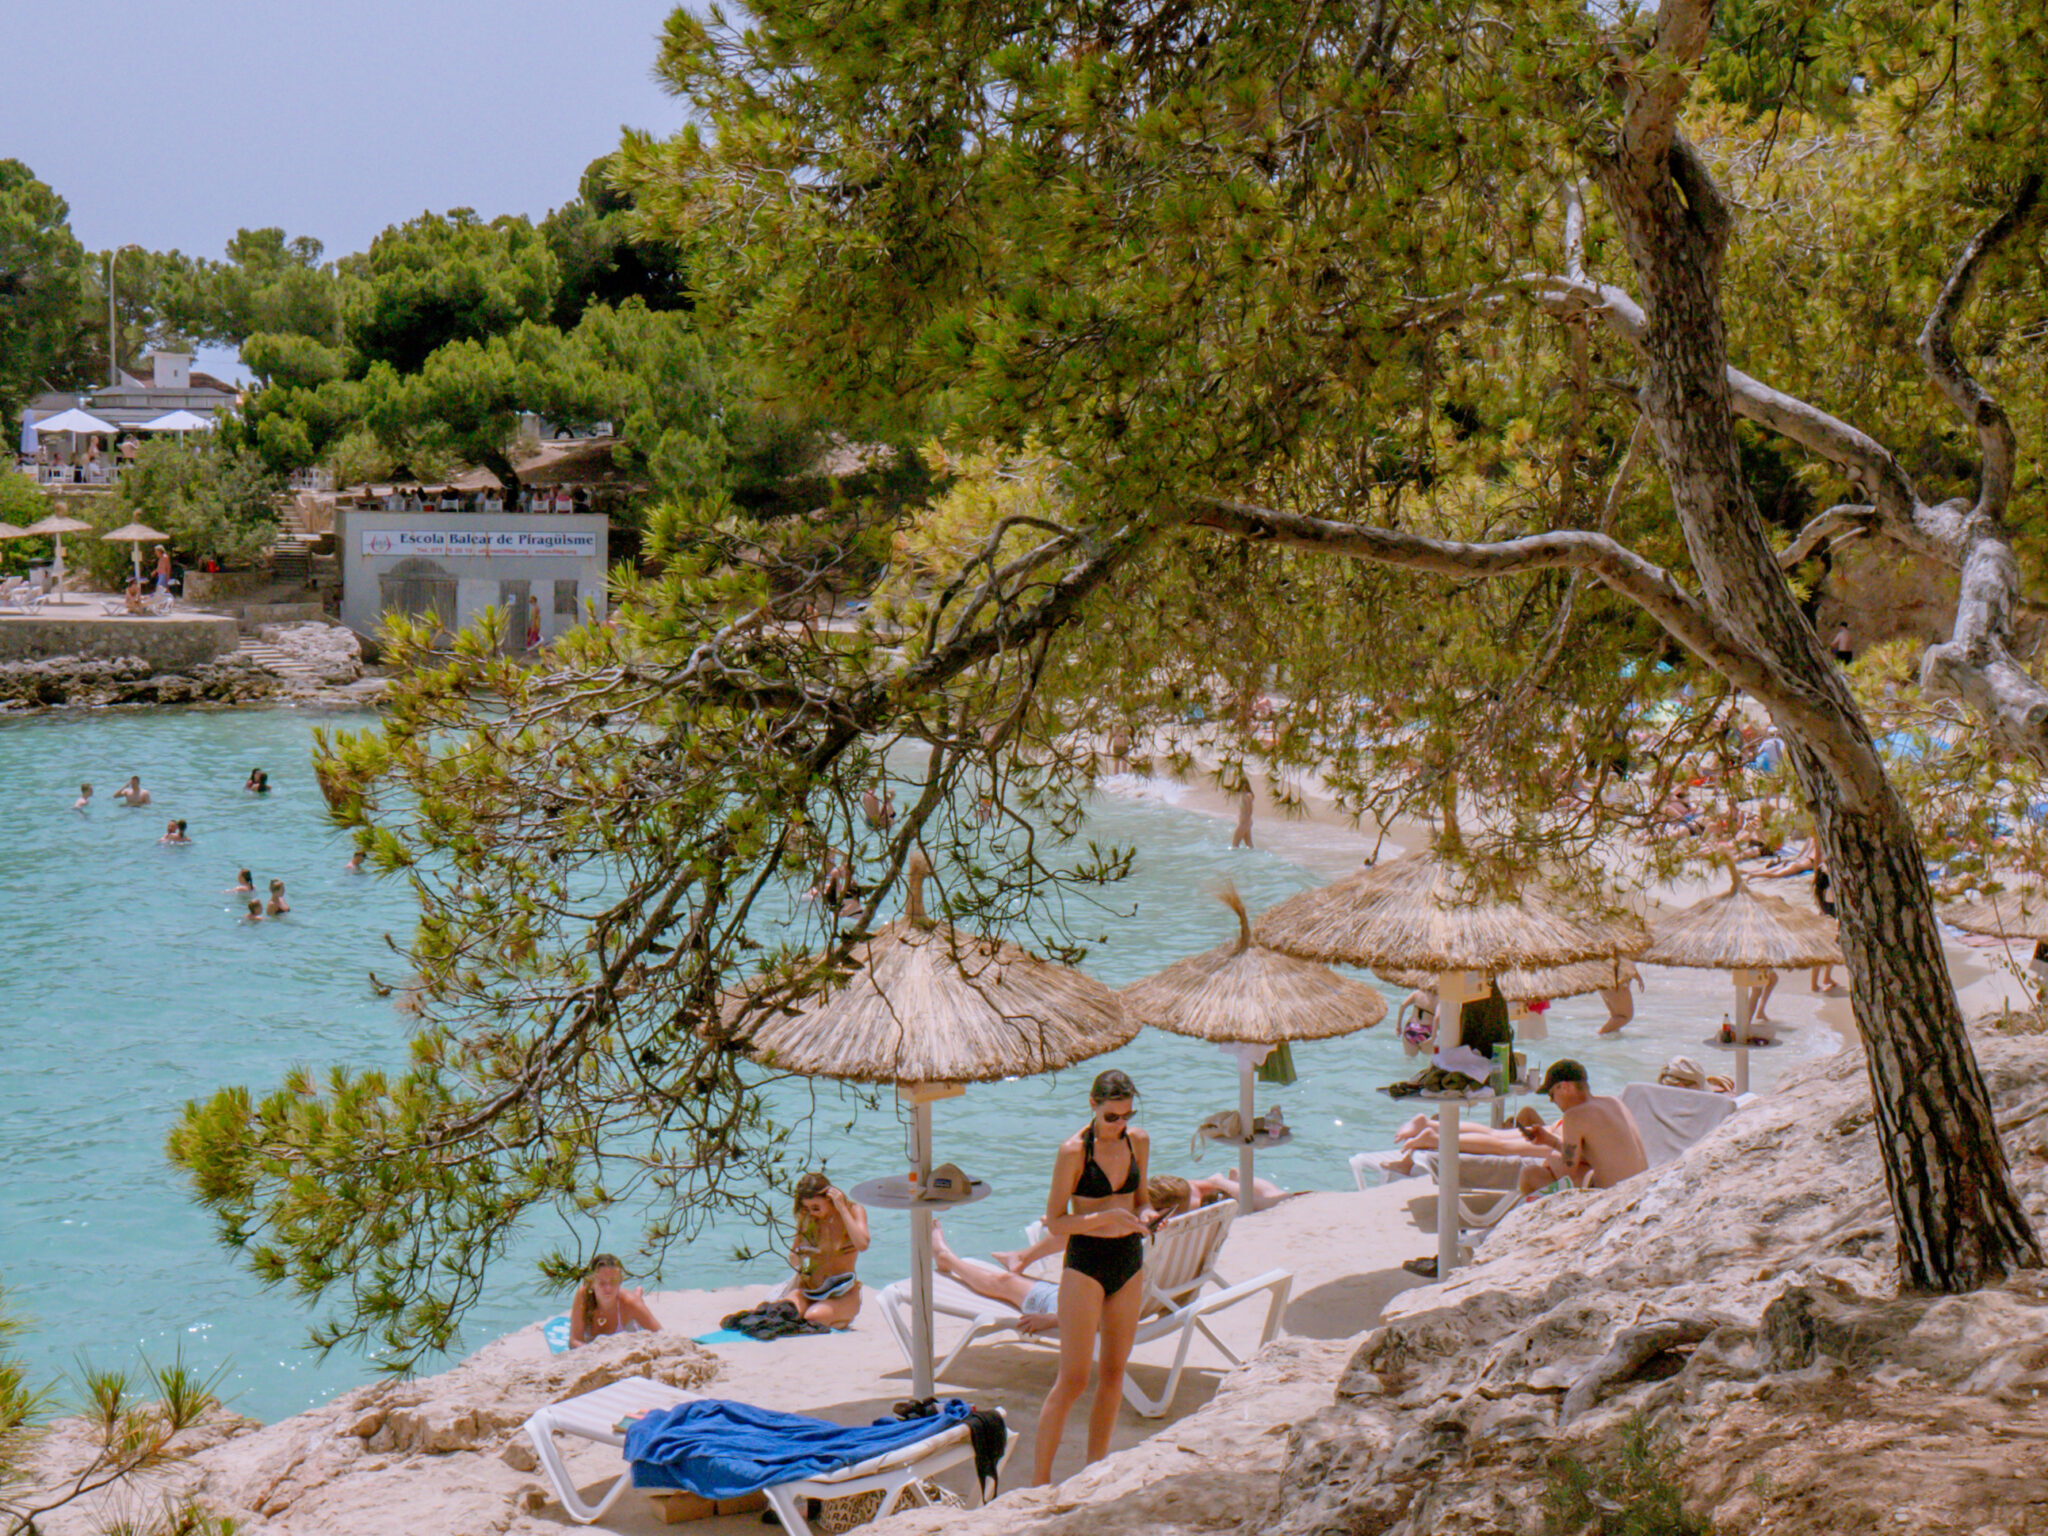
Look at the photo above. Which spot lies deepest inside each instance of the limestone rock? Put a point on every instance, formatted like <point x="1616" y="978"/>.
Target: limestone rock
<point x="328" y="654"/>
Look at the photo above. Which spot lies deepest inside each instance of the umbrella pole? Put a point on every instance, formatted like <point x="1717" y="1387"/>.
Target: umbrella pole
<point x="1446" y="1187"/>
<point x="1743" y="992"/>
<point x="1247" y="1191"/>
<point x="59" y="541"/>
<point x="921" y="1255"/>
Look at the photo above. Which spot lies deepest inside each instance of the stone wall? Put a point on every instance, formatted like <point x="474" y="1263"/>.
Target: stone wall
<point x="165" y="644"/>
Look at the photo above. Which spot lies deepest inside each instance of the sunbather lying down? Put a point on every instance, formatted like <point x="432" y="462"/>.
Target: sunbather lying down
<point x="1037" y="1300"/>
<point x="1419" y="1135"/>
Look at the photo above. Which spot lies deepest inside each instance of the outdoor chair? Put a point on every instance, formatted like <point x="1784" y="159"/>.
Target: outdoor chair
<point x="1180" y="1261"/>
<point x="597" y="1416"/>
<point x="21" y="596"/>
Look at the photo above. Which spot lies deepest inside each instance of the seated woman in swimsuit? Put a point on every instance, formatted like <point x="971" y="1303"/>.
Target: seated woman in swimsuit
<point x="1098" y="1183"/>
<point x="831" y="1233"/>
<point x="603" y="1306"/>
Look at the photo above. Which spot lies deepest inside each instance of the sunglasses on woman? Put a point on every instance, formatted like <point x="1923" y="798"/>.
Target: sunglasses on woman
<point x="1116" y="1117"/>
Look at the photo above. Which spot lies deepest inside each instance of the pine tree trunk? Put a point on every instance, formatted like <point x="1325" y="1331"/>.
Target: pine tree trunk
<point x="1959" y="1219"/>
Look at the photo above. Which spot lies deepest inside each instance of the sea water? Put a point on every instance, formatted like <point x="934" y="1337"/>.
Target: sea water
<point x="130" y="987"/>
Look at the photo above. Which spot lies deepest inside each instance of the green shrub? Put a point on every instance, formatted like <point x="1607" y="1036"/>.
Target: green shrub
<point x="210" y="500"/>
<point x="1631" y="1490"/>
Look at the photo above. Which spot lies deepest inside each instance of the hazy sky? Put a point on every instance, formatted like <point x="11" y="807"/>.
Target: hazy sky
<point x="175" y="124"/>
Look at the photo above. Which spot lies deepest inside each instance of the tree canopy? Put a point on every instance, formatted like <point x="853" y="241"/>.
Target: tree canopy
<point x="1423" y="363"/>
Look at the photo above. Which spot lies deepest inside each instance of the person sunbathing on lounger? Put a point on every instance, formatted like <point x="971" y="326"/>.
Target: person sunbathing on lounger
<point x="1037" y="1300"/>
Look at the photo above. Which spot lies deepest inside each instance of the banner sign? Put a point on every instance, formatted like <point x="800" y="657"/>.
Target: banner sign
<point x="493" y="543"/>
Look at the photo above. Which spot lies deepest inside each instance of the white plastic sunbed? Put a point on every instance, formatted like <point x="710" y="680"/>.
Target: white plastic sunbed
<point x="1180" y="1260"/>
<point x="596" y="1416"/>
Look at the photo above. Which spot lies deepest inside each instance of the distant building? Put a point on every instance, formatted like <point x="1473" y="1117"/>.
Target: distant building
<point x="543" y="572"/>
<point x="165" y="382"/>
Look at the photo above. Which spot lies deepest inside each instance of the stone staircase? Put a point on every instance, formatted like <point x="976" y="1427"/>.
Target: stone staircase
<point x="279" y="663"/>
<point x="291" y="557"/>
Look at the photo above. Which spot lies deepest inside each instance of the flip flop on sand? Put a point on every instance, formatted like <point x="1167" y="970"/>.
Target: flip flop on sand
<point x="1426" y="1268"/>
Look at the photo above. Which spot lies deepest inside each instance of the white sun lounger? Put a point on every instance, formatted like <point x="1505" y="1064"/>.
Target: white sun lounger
<point x="596" y="1416"/>
<point x="1180" y="1261"/>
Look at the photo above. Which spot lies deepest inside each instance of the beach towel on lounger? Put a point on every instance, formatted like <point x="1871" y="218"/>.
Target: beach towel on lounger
<point x="718" y="1449"/>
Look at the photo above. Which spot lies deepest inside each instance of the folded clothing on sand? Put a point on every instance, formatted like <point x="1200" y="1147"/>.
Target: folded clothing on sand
<point x="771" y="1320"/>
<point x="720" y="1449"/>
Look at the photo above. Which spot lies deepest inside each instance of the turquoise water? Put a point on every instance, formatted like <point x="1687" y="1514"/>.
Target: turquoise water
<point x="130" y="987"/>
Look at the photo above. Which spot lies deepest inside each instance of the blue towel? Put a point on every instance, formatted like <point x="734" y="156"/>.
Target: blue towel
<point x="720" y="1450"/>
<point x="556" y="1331"/>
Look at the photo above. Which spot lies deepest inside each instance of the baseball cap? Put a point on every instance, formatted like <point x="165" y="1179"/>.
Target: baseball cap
<point x="1564" y="1070"/>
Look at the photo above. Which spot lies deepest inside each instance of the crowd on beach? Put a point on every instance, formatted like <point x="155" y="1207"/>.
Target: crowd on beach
<point x="1103" y="1204"/>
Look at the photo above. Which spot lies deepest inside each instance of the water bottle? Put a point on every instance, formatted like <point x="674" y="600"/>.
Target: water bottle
<point x="1727" y="1030"/>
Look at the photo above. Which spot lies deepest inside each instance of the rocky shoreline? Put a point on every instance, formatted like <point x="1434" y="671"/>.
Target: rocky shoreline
<point x="305" y="663"/>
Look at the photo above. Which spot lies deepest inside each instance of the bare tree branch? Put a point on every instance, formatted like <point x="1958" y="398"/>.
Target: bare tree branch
<point x="1659" y="81"/>
<point x="1648" y="586"/>
<point x="1849" y="518"/>
<point x="1938" y="353"/>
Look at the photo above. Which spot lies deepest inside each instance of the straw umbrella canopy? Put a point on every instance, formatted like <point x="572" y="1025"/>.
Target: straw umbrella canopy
<point x="1744" y="931"/>
<point x="1426" y="913"/>
<point x="56" y="526"/>
<point x="137" y="534"/>
<point x="1248" y="999"/>
<point x="929" y="1008"/>
<point x="2020" y="911"/>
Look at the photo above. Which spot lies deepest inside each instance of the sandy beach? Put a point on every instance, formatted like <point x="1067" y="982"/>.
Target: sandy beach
<point x="1343" y="1249"/>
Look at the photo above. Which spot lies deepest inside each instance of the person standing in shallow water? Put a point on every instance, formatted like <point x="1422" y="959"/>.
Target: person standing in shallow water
<point x="1097" y="1205"/>
<point x="1242" y="837"/>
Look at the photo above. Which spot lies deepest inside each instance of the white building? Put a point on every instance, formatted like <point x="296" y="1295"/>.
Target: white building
<point x="543" y="572"/>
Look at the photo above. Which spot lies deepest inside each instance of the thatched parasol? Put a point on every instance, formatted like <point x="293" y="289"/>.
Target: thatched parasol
<point x="1249" y="999"/>
<point x="1426" y="913"/>
<point x="929" y="1008"/>
<point x="1744" y="931"/>
<point x="137" y="534"/>
<point x="1574" y="980"/>
<point x="2020" y="911"/>
<point x="56" y="526"/>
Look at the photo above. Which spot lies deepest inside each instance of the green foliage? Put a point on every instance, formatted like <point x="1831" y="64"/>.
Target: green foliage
<point x="268" y="286"/>
<point x="602" y="257"/>
<point x="42" y="286"/>
<point x="133" y="1427"/>
<point x="210" y="498"/>
<point x="293" y="361"/>
<point x="441" y="279"/>
<point x="1632" y="1490"/>
<point x="22" y="502"/>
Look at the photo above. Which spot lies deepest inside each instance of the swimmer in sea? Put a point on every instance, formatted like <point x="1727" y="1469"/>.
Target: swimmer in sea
<point x="277" y="906"/>
<point x="171" y="834"/>
<point x="354" y="866"/>
<point x="84" y="797"/>
<point x="132" y="793"/>
<point x="255" y="912"/>
<point x="245" y="884"/>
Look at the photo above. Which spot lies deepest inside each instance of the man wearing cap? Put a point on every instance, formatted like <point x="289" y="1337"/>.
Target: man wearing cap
<point x="1595" y="1146"/>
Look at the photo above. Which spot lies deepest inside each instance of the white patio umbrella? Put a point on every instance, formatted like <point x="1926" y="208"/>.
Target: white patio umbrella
<point x="179" y="422"/>
<point x="55" y="527"/>
<point x="137" y="534"/>
<point x="73" y="420"/>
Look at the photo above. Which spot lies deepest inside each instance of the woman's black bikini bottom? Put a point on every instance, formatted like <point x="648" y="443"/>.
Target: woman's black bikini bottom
<point x="1109" y="1261"/>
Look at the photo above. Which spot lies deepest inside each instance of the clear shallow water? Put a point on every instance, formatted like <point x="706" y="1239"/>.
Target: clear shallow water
<point x="128" y="987"/>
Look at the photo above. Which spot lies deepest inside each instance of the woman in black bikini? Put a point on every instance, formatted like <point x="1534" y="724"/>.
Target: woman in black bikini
<point x="1097" y="1205"/>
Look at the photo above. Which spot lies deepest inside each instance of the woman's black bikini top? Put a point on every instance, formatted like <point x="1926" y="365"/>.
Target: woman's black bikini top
<point x="1094" y="1181"/>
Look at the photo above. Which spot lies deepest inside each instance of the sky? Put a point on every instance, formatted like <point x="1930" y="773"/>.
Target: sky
<point x="174" y="125"/>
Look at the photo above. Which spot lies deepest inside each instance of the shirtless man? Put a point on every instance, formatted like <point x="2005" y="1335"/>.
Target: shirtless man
<point x="1242" y="837"/>
<point x="1596" y="1144"/>
<point x="132" y="793"/>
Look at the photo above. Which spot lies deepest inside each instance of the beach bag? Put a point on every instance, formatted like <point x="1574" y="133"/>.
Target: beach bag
<point x="1278" y="1067"/>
